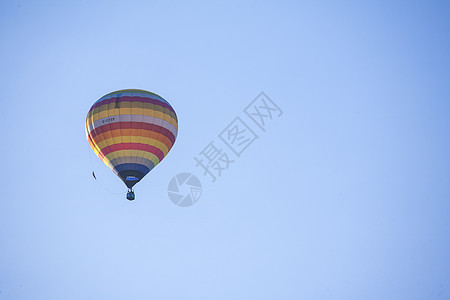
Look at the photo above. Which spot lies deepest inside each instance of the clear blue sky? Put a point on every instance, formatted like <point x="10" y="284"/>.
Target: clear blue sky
<point x="345" y="196"/>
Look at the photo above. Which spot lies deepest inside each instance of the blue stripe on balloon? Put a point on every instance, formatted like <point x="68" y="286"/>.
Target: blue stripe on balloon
<point x="131" y="167"/>
<point x="131" y="94"/>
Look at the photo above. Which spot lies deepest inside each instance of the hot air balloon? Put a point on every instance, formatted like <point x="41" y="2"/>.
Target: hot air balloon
<point x="131" y="131"/>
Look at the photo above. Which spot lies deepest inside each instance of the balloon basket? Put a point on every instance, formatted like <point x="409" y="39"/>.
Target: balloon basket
<point x="130" y="195"/>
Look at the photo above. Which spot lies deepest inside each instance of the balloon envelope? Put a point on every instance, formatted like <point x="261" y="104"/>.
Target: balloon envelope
<point x="131" y="131"/>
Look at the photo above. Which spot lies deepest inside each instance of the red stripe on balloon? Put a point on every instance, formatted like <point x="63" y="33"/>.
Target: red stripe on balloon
<point x="131" y="146"/>
<point x="133" y="125"/>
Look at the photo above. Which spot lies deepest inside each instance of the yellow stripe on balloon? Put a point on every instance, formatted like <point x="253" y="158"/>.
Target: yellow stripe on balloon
<point x="136" y="139"/>
<point x="94" y="116"/>
<point x="136" y="153"/>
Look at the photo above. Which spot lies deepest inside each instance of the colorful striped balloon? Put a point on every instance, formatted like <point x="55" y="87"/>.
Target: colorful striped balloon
<point x="131" y="131"/>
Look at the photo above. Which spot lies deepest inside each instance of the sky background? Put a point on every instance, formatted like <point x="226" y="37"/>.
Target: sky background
<point x="345" y="196"/>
